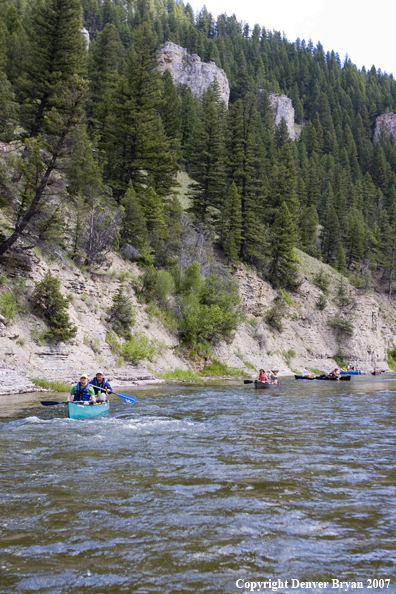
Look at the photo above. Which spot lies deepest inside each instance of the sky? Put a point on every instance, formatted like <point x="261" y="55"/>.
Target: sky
<point x="363" y="30"/>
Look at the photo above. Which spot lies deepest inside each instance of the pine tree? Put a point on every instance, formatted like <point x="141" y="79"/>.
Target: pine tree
<point x="57" y="54"/>
<point x="53" y="95"/>
<point x="282" y="271"/>
<point x="244" y="165"/>
<point x="207" y="162"/>
<point x="105" y="55"/>
<point x="136" y="146"/>
<point x="232" y="224"/>
<point x="170" y="111"/>
<point x="330" y="235"/>
<point x="134" y="224"/>
<point x="355" y="237"/>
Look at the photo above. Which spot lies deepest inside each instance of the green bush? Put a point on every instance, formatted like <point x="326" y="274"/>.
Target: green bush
<point x="275" y="314"/>
<point x="321" y="302"/>
<point x="288" y="355"/>
<point x="121" y="313"/>
<point x="339" y="358"/>
<point x="57" y="386"/>
<point x="217" y="368"/>
<point x="322" y="280"/>
<point x="164" y="286"/>
<point x="112" y="341"/>
<point x="8" y="306"/>
<point x="286" y="296"/>
<point x="49" y="304"/>
<point x="180" y="374"/>
<point x="341" y="325"/>
<point x="391" y="359"/>
<point x="138" y="347"/>
<point x="249" y="365"/>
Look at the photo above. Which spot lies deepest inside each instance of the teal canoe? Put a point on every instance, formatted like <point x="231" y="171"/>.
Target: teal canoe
<point x="79" y="410"/>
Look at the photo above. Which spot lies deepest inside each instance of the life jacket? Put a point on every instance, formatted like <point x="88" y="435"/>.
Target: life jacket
<point x="263" y="377"/>
<point x="101" y="384"/>
<point x="81" y="393"/>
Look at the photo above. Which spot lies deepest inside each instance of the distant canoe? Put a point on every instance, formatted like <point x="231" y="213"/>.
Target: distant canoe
<point x="258" y="384"/>
<point x="355" y="372"/>
<point x="345" y="378"/>
<point x="304" y="377"/>
<point x="79" y="410"/>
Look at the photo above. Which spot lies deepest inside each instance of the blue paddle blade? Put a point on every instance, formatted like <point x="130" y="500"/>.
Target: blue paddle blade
<point x="51" y="402"/>
<point x="127" y="398"/>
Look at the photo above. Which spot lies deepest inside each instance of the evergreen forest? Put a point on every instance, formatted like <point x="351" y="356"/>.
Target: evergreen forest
<point x="95" y="141"/>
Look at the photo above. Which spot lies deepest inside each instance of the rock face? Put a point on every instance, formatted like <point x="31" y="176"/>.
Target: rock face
<point x="86" y="35"/>
<point x="388" y="120"/>
<point x="283" y="108"/>
<point x="191" y="71"/>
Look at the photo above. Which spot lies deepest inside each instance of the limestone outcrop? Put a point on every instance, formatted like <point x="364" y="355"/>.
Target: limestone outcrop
<point x="282" y="107"/>
<point x="306" y="340"/>
<point x="191" y="71"/>
<point x="388" y="120"/>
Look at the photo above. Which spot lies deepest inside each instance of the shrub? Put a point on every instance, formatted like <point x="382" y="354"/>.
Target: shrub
<point x="391" y="359"/>
<point x="8" y="306"/>
<point x="164" y="286"/>
<point x="180" y="374"/>
<point x="339" y="358"/>
<point x="288" y="355"/>
<point x="138" y="347"/>
<point x="342" y="325"/>
<point x="285" y="295"/>
<point x="249" y="365"/>
<point x="343" y="298"/>
<point x="49" y="304"/>
<point x="57" y="386"/>
<point x="274" y="316"/>
<point x="121" y="313"/>
<point x="217" y="368"/>
<point x="112" y="341"/>
<point x="322" y="280"/>
<point x="321" y="302"/>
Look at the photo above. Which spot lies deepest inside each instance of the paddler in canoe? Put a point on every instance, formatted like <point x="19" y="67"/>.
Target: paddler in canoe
<point x="273" y="376"/>
<point x="262" y="376"/>
<point x="307" y="374"/>
<point x="82" y="392"/>
<point x="99" y="381"/>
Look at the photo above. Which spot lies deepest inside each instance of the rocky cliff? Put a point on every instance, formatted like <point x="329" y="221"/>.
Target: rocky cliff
<point x="191" y="71"/>
<point x="306" y="340"/>
<point x="388" y="120"/>
<point x="283" y="108"/>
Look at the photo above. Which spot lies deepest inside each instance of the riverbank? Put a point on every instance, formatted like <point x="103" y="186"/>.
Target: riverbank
<point x="305" y="338"/>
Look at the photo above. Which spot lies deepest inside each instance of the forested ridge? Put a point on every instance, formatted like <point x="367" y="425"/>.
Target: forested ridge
<point x="94" y="139"/>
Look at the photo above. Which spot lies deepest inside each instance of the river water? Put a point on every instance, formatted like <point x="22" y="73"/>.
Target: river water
<point x="196" y="487"/>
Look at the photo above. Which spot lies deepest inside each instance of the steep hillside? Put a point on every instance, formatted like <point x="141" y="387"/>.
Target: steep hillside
<point x="306" y="338"/>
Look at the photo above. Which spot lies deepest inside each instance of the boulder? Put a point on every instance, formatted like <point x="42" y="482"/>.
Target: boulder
<point x="282" y="107"/>
<point x="388" y="121"/>
<point x="191" y="71"/>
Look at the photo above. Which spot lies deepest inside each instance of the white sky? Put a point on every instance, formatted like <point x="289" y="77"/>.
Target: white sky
<point x="363" y="29"/>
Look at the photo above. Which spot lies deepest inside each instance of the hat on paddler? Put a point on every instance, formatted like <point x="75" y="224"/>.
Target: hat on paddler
<point x="99" y="372"/>
<point x="84" y="375"/>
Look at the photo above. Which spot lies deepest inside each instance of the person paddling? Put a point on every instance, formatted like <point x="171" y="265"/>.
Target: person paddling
<point x="335" y="373"/>
<point x="82" y="391"/>
<point x="99" y="381"/>
<point x="262" y="376"/>
<point x="273" y="376"/>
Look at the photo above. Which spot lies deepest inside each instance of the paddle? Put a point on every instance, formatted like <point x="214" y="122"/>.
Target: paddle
<point x="248" y="381"/>
<point x="125" y="397"/>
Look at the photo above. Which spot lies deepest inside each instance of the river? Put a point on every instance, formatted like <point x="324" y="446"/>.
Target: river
<point x="202" y="488"/>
